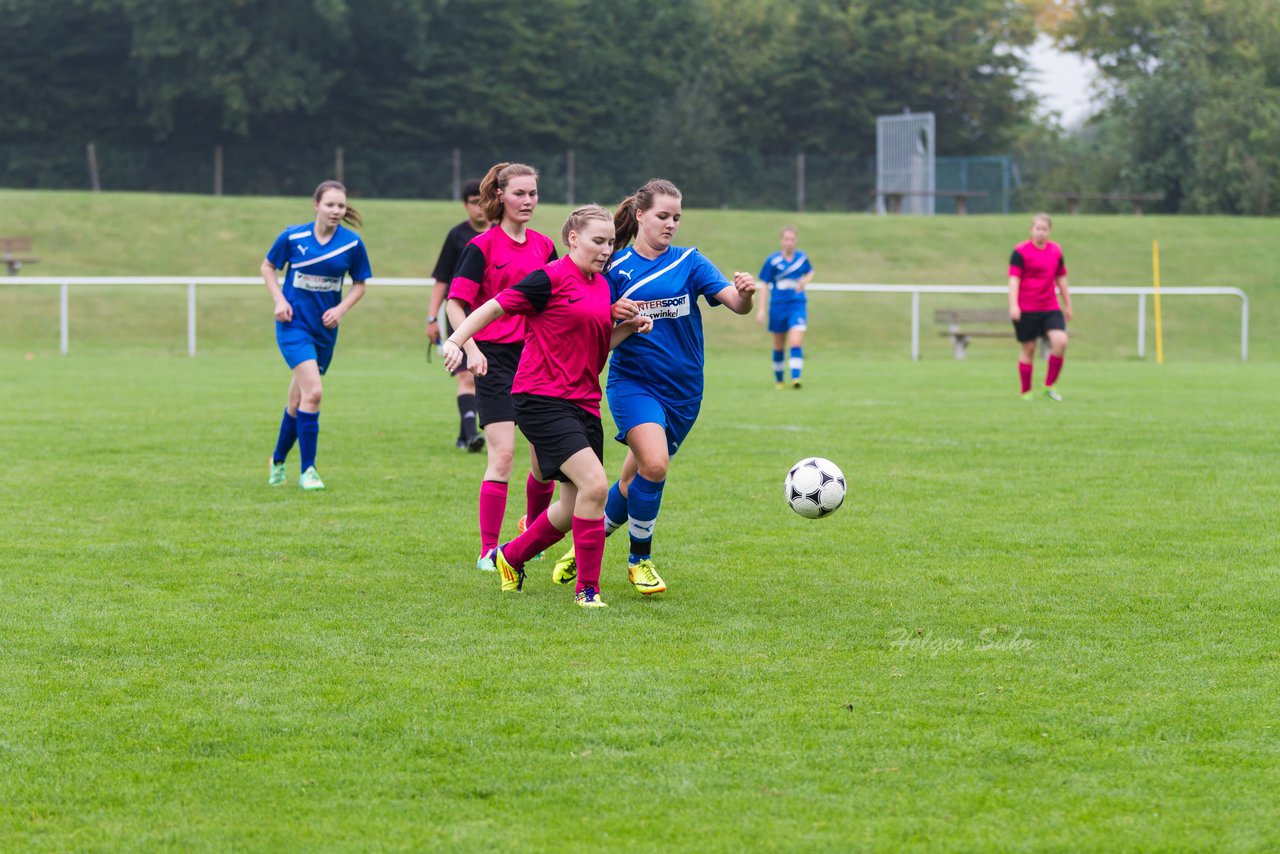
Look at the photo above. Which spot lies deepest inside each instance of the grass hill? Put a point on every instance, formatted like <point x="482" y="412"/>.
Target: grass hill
<point x="78" y="234"/>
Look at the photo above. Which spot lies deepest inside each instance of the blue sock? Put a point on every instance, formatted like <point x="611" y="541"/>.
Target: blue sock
<point x="308" y="437"/>
<point x="797" y="362"/>
<point x="777" y="366"/>
<point x="615" y="510"/>
<point x="643" y="500"/>
<point x="288" y="435"/>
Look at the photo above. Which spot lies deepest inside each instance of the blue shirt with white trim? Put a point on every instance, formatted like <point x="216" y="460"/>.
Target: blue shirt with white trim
<point x="668" y="360"/>
<point x="781" y="275"/>
<point x="313" y="284"/>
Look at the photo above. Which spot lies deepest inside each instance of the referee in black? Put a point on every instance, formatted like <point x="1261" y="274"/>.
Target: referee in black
<point x="469" y="436"/>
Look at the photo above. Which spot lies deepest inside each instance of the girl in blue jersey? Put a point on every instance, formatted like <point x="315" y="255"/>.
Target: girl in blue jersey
<point x="655" y="380"/>
<point x="318" y="256"/>
<point x="787" y="272"/>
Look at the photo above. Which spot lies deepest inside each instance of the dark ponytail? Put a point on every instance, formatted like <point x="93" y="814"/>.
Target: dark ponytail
<point x="624" y="222"/>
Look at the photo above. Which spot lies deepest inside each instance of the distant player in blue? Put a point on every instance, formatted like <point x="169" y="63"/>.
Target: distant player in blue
<point x="787" y="272"/>
<point x="318" y="255"/>
<point x="655" y="384"/>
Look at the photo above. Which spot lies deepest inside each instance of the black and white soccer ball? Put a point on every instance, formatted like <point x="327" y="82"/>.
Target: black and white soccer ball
<point x="815" y="487"/>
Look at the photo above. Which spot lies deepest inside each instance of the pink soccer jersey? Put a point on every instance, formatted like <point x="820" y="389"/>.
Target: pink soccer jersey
<point x="569" y="325"/>
<point x="491" y="263"/>
<point x="1038" y="271"/>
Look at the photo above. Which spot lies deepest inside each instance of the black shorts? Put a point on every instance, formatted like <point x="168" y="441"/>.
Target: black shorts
<point x="493" y="390"/>
<point x="557" y="429"/>
<point x="1034" y="324"/>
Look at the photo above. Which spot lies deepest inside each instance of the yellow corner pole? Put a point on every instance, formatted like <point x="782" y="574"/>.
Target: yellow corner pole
<point x="1155" y="269"/>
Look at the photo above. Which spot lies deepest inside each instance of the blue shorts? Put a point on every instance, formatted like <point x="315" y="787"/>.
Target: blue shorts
<point x="631" y="404"/>
<point x="297" y="345"/>
<point x="786" y="317"/>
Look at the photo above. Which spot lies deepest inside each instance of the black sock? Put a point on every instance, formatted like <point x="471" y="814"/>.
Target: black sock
<point x="467" y="415"/>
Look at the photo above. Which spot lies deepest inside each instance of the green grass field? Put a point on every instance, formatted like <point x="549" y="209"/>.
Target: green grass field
<point x="1032" y="626"/>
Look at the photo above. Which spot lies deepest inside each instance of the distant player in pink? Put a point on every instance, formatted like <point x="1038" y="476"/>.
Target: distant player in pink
<point x="556" y="391"/>
<point x="1037" y="278"/>
<point x="493" y="261"/>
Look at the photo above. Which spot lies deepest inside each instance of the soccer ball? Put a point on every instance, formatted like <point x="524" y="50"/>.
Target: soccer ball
<point x="815" y="487"/>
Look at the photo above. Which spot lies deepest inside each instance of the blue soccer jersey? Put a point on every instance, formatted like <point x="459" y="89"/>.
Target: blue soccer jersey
<point x="316" y="272"/>
<point x="781" y="275"/>
<point x="668" y="360"/>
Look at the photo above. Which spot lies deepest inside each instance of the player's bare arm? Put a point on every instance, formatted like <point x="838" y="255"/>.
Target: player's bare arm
<point x="465" y="331"/>
<point x="740" y="296"/>
<point x="457" y="311"/>
<point x="331" y="317"/>
<point x="640" y="324"/>
<point x="283" y="311"/>
<point x="438" y="292"/>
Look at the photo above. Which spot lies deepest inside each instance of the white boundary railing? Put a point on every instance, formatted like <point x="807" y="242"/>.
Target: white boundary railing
<point x="64" y="283"/>
<point x="1140" y="292"/>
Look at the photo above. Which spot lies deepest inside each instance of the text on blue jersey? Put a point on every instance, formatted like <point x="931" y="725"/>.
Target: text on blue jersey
<point x="669" y="359"/>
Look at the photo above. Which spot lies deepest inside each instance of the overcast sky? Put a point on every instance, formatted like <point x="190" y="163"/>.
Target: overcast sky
<point x="1061" y="80"/>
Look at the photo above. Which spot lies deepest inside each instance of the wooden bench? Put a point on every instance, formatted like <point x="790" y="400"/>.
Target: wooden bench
<point x="1134" y="199"/>
<point x="966" y="324"/>
<point x="11" y="249"/>
<point x="893" y="198"/>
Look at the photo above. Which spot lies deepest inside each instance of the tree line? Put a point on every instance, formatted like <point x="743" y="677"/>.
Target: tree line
<point x="704" y="91"/>
<point x="1191" y="104"/>
<point x="688" y="82"/>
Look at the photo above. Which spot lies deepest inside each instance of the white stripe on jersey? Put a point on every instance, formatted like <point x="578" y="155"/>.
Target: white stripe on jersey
<point x="795" y="265"/>
<point x="299" y="235"/>
<point x="326" y="256"/>
<point x="649" y="278"/>
<point x="616" y="261"/>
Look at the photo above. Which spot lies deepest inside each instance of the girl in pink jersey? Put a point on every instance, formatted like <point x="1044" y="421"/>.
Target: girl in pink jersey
<point x="1037" y="278"/>
<point x="493" y="261"/>
<point x="556" y="391"/>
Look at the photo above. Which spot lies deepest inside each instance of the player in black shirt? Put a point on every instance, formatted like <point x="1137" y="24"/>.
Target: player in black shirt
<point x="458" y="237"/>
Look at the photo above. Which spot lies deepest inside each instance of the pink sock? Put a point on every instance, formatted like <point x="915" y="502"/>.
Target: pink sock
<point x="493" y="506"/>
<point x="588" y="549"/>
<point x="537" y="497"/>
<point x="1055" y="368"/>
<point x="1024" y="373"/>
<point x="538" y="537"/>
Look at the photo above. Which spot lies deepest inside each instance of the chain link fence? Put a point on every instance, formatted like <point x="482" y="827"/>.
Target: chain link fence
<point x="739" y="181"/>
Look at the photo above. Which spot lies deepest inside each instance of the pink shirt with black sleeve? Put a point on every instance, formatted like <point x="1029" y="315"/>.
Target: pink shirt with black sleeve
<point x="568" y="331"/>
<point x="1038" y="271"/>
<point x="492" y="262"/>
